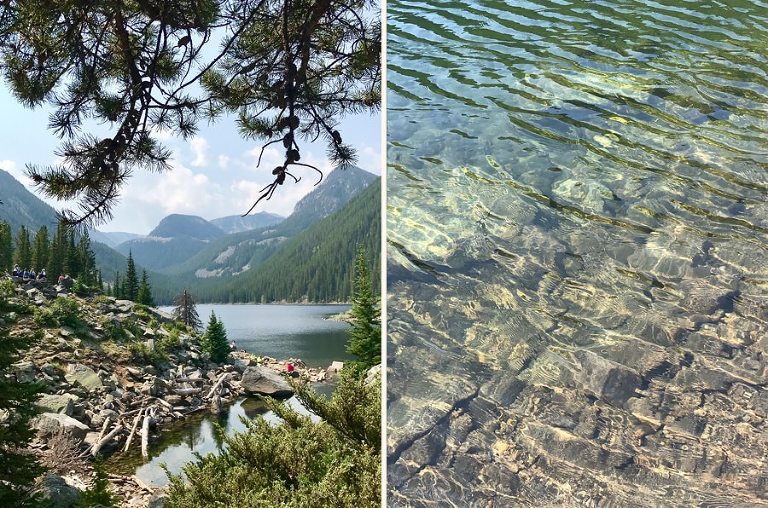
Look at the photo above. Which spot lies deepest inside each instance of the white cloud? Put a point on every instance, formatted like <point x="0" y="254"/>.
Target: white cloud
<point x="369" y="158"/>
<point x="223" y="161"/>
<point x="199" y="148"/>
<point x="16" y="172"/>
<point x="245" y="192"/>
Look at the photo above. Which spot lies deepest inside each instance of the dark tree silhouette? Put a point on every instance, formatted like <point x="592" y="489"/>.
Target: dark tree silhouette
<point x="185" y="311"/>
<point x="290" y="69"/>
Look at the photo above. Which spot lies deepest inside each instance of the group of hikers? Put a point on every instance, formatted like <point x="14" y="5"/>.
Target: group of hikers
<point x="27" y="274"/>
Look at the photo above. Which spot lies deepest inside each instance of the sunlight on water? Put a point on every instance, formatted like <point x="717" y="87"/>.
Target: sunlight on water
<point x="578" y="255"/>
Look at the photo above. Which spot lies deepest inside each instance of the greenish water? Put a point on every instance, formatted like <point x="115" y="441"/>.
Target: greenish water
<point x="577" y="225"/>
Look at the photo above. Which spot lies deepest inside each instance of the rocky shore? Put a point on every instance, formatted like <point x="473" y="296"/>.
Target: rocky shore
<point x="114" y="374"/>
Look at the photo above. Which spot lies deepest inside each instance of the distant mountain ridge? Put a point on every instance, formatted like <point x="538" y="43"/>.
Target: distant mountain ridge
<point x="238" y="224"/>
<point x="203" y="256"/>
<point x="244" y="251"/>
<point x="21" y="207"/>
<point x="178" y="225"/>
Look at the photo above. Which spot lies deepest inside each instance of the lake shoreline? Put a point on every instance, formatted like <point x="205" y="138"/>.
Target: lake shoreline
<point x="117" y="375"/>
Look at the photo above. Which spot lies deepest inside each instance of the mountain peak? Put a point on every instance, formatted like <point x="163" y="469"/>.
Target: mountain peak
<point x="192" y="226"/>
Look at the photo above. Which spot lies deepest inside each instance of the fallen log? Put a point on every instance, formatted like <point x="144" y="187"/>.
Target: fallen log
<point x="133" y="430"/>
<point x="104" y="428"/>
<point x="190" y="380"/>
<point x="106" y="439"/>
<point x="186" y="391"/>
<point x="145" y="436"/>
<point x="216" y="386"/>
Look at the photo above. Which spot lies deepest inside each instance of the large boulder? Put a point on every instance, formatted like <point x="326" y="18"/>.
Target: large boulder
<point x="55" y="492"/>
<point x="47" y="424"/>
<point x="265" y="381"/>
<point x="82" y="375"/>
<point x="57" y="403"/>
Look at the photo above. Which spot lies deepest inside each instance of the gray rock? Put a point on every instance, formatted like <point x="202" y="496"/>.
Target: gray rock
<point x="373" y="374"/>
<point x="57" y="403"/>
<point x="25" y="371"/>
<point x="48" y="424"/>
<point x="55" y="492"/>
<point x="82" y="375"/>
<point x="265" y="381"/>
<point x="158" y="500"/>
<point x="50" y="369"/>
<point x="334" y="369"/>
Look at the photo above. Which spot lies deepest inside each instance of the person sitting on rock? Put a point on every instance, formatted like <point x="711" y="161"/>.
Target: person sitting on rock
<point x="25" y="275"/>
<point x="32" y="275"/>
<point x="16" y="271"/>
<point x="61" y="278"/>
<point x="41" y="276"/>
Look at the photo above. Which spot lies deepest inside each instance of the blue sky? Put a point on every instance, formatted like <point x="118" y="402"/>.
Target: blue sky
<point x="214" y="174"/>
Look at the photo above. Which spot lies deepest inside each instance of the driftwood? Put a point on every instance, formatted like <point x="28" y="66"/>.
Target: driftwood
<point x="217" y="385"/>
<point x="133" y="430"/>
<point x="104" y="428"/>
<point x="145" y="436"/>
<point x="105" y="439"/>
<point x="190" y="380"/>
<point x="186" y="391"/>
<point x="142" y="485"/>
<point x="164" y="402"/>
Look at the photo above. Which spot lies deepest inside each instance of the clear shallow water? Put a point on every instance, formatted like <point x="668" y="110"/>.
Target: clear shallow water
<point x="577" y="251"/>
<point x="283" y="331"/>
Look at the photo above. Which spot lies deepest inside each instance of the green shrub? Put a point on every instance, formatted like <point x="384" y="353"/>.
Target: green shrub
<point x="99" y="493"/>
<point x="335" y="462"/>
<point x="99" y="299"/>
<point x="7" y="288"/>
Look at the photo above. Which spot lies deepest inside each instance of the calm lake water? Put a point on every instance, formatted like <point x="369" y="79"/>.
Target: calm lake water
<point x="577" y="251"/>
<point x="283" y="331"/>
<point x="280" y="331"/>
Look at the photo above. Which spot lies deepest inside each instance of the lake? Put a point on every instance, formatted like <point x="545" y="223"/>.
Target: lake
<point x="280" y="331"/>
<point x="283" y="331"/>
<point x="577" y="253"/>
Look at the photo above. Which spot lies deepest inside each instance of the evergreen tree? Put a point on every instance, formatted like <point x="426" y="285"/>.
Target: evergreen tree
<point x="23" y="251"/>
<point x="117" y="288"/>
<point x="40" y="249"/>
<point x="86" y="260"/>
<point x="100" y="281"/>
<point x="365" y="335"/>
<point x="145" y="291"/>
<point x="6" y="247"/>
<point x="57" y="252"/>
<point x="72" y="264"/>
<point x="131" y="282"/>
<point x="215" y="340"/>
<point x="185" y="310"/>
<point x="17" y="469"/>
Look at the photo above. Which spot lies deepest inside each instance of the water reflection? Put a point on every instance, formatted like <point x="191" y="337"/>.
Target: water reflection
<point x="178" y="445"/>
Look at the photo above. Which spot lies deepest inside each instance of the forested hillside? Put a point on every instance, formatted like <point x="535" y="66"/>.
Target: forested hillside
<point x="315" y="265"/>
